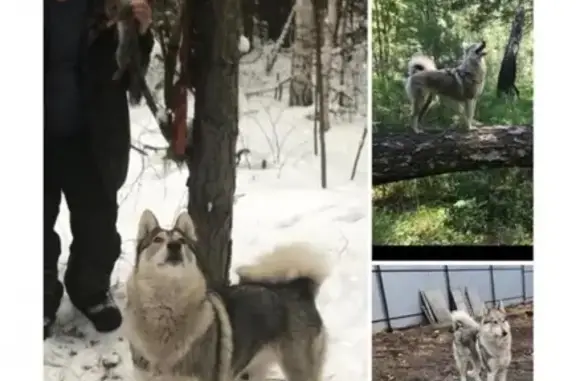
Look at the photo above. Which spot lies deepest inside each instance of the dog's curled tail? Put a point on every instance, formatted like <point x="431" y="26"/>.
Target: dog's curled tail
<point x="287" y="264"/>
<point x="461" y="318"/>
<point x="420" y="62"/>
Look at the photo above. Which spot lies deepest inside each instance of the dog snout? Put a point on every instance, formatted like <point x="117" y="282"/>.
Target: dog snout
<point x="480" y="48"/>
<point x="174" y="255"/>
<point x="174" y="246"/>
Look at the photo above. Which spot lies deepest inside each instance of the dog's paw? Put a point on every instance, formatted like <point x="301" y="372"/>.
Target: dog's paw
<point x="477" y="124"/>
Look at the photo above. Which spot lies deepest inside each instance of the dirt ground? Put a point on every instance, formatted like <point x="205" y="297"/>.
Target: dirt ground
<point x="425" y="353"/>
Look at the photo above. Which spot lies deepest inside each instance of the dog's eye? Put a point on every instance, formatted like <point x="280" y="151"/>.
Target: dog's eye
<point x="182" y="240"/>
<point x="158" y="239"/>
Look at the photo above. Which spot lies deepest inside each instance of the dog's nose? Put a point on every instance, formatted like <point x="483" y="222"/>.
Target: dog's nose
<point x="174" y="254"/>
<point x="174" y="246"/>
<point x="504" y="333"/>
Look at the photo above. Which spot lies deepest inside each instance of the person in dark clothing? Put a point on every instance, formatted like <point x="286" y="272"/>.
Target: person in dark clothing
<point x="86" y="150"/>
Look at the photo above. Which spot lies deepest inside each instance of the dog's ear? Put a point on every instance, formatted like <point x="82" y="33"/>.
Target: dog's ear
<point x="501" y="307"/>
<point x="185" y="224"/>
<point x="148" y="222"/>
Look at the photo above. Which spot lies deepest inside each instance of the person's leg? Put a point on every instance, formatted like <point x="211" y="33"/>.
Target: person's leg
<point x="53" y="289"/>
<point x="96" y="243"/>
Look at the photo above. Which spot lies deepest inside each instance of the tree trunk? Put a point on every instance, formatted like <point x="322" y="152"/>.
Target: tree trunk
<point x="340" y="19"/>
<point x="323" y="39"/>
<point x="301" y="89"/>
<point x="377" y="15"/>
<point x="325" y="28"/>
<point x="507" y="74"/>
<point x="342" y="23"/>
<point x="214" y="38"/>
<point x="407" y="156"/>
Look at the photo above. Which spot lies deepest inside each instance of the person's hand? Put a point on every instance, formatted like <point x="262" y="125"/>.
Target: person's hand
<point x="143" y="13"/>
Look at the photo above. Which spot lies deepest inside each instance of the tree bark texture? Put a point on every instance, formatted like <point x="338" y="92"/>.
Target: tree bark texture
<point x="326" y="29"/>
<point x="214" y="30"/>
<point x="322" y="87"/>
<point x="408" y="156"/>
<point x="507" y="74"/>
<point x="301" y="89"/>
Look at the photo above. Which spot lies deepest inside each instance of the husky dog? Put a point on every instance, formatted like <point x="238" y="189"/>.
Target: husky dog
<point x="485" y="345"/>
<point x="179" y="330"/>
<point x="462" y="84"/>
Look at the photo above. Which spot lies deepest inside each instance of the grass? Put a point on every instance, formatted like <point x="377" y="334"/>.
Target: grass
<point x="464" y="208"/>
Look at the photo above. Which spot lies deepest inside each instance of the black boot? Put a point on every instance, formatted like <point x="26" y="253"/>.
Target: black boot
<point x="102" y="312"/>
<point x="52" y="301"/>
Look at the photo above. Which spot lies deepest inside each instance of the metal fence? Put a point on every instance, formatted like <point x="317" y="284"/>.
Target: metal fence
<point x="396" y="289"/>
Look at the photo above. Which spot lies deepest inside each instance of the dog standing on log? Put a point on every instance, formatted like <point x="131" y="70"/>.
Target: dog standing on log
<point x="179" y="330"/>
<point x="462" y="84"/>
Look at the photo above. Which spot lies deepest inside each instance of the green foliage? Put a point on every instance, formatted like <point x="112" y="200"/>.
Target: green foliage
<point x="468" y="208"/>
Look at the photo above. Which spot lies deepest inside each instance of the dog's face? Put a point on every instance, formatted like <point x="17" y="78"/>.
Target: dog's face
<point x="164" y="252"/>
<point x="475" y="52"/>
<point x="495" y="323"/>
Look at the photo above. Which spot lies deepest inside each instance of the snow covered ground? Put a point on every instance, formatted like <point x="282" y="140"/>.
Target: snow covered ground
<point x="281" y="203"/>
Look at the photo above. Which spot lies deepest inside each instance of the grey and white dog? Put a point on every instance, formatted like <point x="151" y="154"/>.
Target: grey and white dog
<point x="485" y="345"/>
<point x="462" y="84"/>
<point x="179" y="330"/>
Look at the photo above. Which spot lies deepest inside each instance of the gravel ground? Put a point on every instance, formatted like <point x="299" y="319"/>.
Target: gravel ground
<point x="425" y="353"/>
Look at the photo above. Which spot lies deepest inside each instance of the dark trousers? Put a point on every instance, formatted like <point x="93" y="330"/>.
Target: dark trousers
<point x="70" y="170"/>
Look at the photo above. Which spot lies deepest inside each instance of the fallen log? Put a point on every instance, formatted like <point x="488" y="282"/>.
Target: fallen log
<point x="405" y="156"/>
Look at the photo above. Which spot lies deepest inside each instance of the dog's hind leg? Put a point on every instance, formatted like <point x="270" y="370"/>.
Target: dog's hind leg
<point x="426" y="107"/>
<point x="469" y="107"/>
<point x="462" y="372"/>
<point x="461" y="366"/>
<point x="303" y="360"/>
<point x="258" y="368"/>
<point x="415" y="120"/>
<point x="419" y="102"/>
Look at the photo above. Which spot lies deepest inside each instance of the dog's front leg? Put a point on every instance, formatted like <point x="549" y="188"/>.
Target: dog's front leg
<point x="474" y="122"/>
<point x="461" y="366"/>
<point x="502" y="375"/>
